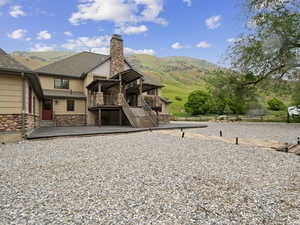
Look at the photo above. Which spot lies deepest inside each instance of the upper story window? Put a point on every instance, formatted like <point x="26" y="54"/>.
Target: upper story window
<point x="61" y="83"/>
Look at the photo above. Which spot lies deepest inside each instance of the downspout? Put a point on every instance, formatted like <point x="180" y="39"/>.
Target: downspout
<point x="23" y="104"/>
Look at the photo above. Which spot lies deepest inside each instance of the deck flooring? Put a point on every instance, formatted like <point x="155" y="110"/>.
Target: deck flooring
<point x="51" y="132"/>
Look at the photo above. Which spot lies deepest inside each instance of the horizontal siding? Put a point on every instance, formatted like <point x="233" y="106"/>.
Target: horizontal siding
<point x="60" y="107"/>
<point x="10" y="94"/>
<point x="47" y="82"/>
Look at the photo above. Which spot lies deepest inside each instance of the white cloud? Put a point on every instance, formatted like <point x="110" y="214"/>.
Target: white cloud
<point x="28" y="39"/>
<point x="203" y="44"/>
<point x="42" y="48"/>
<point x="188" y="2"/>
<point x="119" y="11"/>
<point x="177" y="45"/>
<point x="4" y="2"/>
<point x="99" y="44"/>
<point x="44" y="35"/>
<point x="86" y="43"/>
<point x="129" y="51"/>
<point x="16" y="11"/>
<point x="213" y="22"/>
<point x="132" y="29"/>
<point x="68" y="33"/>
<point x="17" y="34"/>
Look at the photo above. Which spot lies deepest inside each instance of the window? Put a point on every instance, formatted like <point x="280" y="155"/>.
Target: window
<point x="30" y="100"/>
<point x="61" y="83"/>
<point x="70" y="105"/>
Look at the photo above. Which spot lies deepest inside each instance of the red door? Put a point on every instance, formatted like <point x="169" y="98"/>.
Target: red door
<point x="47" y="109"/>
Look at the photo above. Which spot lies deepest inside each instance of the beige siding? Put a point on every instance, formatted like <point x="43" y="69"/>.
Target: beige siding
<point x="47" y="82"/>
<point x="10" y="94"/>
<point x="60" y="107"/>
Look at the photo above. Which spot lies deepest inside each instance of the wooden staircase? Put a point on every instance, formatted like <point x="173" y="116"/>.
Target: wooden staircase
<point x="139" y="117"/>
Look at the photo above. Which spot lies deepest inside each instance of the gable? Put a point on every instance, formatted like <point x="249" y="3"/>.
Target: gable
<point x="104" y="69"/>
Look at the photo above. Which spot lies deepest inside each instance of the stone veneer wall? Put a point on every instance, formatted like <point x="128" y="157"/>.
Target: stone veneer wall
<point x="13" y="122"/>
<point x="70" y="120"/>
<point x="117" y="55"/>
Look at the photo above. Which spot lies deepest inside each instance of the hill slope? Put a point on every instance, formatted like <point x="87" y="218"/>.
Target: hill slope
<point x="180" y="75"/>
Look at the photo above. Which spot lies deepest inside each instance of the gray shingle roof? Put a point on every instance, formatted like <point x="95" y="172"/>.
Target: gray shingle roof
<point x="8" y="62"/>
<point x="84" y="62"/>
<point x="76" y="65"/>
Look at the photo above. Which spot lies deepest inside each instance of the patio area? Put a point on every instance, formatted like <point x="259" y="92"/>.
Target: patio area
<point x="52" y="132"/>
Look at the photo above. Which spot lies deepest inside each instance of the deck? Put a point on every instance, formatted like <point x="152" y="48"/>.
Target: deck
<point x="52" y="132"/>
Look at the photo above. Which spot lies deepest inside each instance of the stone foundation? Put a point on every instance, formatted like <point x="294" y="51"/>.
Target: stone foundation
<point x="70" y="120"/>
<point x="10" y="122"/>
<point x="13" y="122"/>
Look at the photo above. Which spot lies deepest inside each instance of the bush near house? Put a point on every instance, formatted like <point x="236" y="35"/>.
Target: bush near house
<point x="276" y="105"/>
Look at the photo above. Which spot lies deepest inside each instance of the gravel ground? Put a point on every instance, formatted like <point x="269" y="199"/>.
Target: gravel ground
<point x="146" y="178"/>
<point x="282" y="132"/>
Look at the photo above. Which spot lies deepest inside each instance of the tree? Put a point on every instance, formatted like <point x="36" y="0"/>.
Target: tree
<point x="199" y="103"/>
<point x="275" y="104"/>
<point x="271" y="47"/>
<point x="229" y="89"/>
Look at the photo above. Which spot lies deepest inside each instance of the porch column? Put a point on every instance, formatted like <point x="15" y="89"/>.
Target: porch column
<point x="99" y="96"/>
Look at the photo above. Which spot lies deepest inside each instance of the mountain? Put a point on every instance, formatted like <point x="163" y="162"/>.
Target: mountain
<point x="180" y="75"/>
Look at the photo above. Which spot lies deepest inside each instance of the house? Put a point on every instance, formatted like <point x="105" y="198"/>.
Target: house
<point x="83" y="89"/>
<point x="20" y="96"/>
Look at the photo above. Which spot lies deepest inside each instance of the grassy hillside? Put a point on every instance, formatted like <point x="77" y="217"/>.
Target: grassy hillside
<point x="180" y="75"/>
<point x="34" y="60"/>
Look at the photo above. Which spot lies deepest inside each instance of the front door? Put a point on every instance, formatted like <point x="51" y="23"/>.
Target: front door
<point x="47" y="109"/>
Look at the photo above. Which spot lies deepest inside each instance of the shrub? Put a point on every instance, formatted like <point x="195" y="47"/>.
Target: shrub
<point x="199" y="103"/>
<point x="275" y="104"/>
<point x="178" y="98"/>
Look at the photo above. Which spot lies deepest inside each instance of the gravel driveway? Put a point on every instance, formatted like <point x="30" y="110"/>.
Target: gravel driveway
<point x="282" y="132"/>
<point x="146" y="178"/>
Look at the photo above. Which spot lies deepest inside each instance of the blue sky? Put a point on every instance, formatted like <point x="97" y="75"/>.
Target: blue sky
<point x="196" y="28"/>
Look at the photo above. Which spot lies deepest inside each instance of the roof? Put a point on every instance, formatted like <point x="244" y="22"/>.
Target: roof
<point x="6" y="61"/>
<point x="8" y="66"/>
<point x="76" y="65"/>
<point x="165" y="100"/>
<point x="150" y="81"/>
<point x="63" y="94"/>
<point x="128" y="76"/>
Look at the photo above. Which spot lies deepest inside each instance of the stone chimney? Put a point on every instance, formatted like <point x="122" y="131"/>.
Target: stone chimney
<point x="117" y="55"/>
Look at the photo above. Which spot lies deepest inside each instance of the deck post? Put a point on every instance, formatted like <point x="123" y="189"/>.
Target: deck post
<point x="99" y="118"/>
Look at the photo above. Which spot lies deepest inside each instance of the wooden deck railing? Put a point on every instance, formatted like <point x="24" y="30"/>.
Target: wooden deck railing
<point x="100" y="100"/>
<point x="152" y="101"/>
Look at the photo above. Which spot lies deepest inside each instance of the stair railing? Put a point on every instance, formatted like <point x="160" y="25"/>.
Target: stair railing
<point x="126" y="108"/>
<point x="153" y="117"/>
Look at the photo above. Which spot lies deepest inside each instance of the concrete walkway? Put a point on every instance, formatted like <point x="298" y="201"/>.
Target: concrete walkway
<point x="51" y="132"/>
